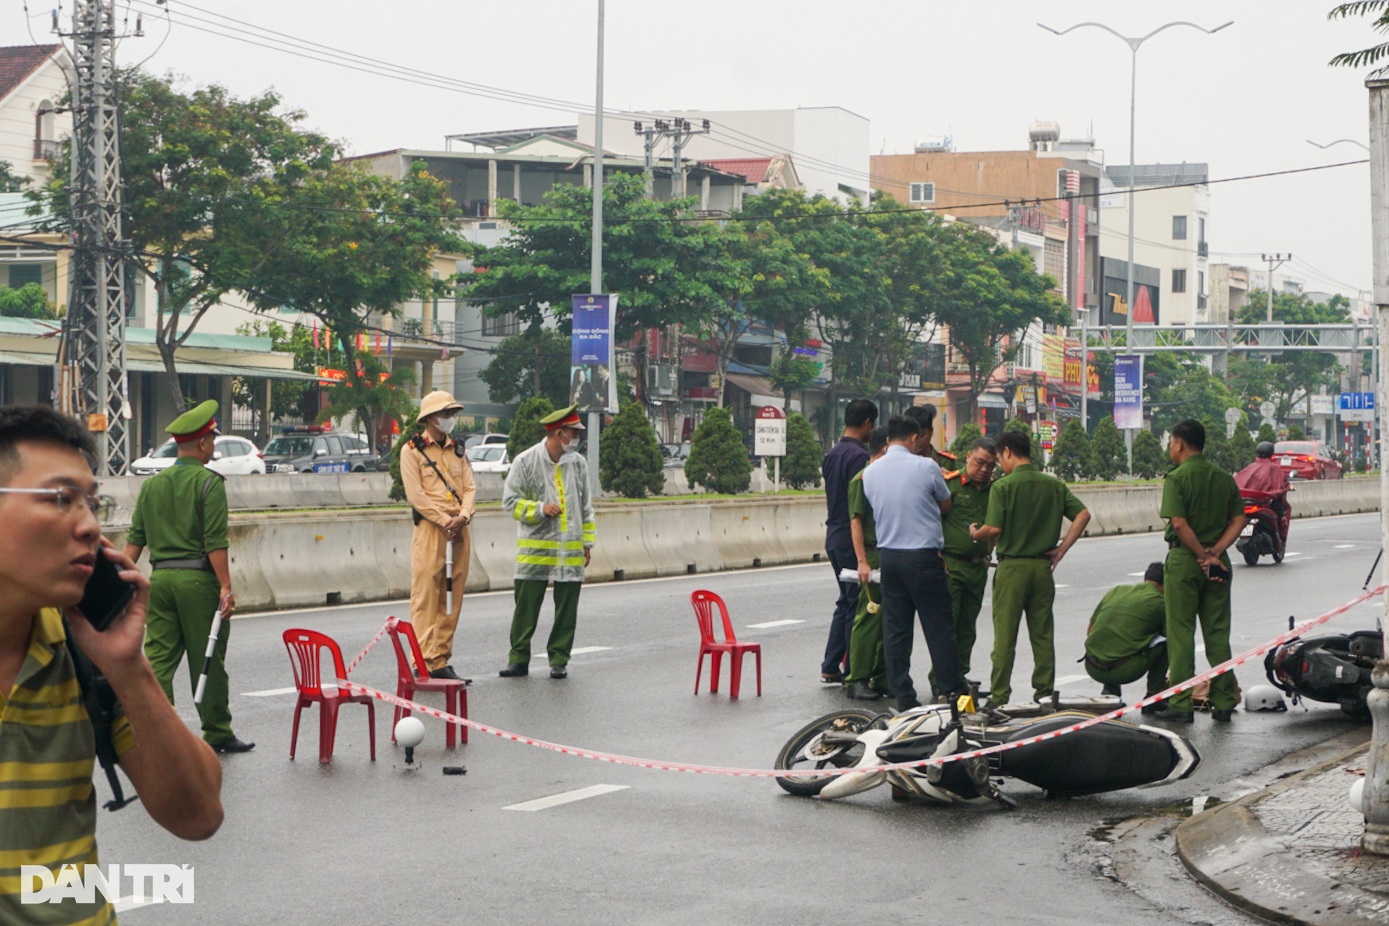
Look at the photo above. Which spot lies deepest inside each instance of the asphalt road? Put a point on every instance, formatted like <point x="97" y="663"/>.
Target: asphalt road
<point x="358" y="842"/>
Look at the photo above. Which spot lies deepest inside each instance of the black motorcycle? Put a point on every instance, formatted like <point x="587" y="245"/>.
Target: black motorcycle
<point x="1334" y="668"/>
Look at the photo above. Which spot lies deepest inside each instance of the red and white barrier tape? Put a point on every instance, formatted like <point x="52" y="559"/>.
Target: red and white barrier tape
<point x="617" y="759"/>
<point x="385" y="628"/>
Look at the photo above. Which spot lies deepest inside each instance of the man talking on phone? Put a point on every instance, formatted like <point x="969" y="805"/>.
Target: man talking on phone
<point x="1204" y="517"/>
<point x="181" y="515"/>
<point x="48" y="553"/>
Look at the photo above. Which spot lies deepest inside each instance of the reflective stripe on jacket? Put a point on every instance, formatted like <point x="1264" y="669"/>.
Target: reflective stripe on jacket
<point x="550" y="548"/>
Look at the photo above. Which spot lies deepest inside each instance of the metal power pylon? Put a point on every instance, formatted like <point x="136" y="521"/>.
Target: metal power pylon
<point x="91" y="382"/>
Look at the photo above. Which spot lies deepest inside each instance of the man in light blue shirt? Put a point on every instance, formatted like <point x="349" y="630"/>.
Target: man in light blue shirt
<point x="909" y="499"/>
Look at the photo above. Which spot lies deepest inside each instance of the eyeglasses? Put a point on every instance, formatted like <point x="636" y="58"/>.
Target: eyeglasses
<point x="102" y="507"/>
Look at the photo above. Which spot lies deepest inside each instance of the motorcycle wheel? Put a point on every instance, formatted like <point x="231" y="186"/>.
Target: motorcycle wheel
<point x="1278" y="556"/>
<point x="1355" y="707"/>
<point x="805" y="750"/>
<point x="1251" y="556"/>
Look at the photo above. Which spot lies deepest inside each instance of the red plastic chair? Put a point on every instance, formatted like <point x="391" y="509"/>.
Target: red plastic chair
<point x="704" y="602"/>
<point x="410" y="680"/>
<point x="306" y="649"/>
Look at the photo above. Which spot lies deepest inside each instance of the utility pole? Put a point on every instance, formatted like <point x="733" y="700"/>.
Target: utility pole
<point x="649" y="135"/>
<point x="680" y="135"/>
<point x="595" y="280"/>
<point x="91" y="377"/>
<point x="1274" y="261"/>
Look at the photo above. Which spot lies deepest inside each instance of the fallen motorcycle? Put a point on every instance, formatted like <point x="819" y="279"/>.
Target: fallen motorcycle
<point x="1109" y="756"/>
<point x="1334" y="668"/>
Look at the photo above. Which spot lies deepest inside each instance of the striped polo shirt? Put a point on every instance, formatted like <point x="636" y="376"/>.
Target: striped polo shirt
<point x="47" y="800"/>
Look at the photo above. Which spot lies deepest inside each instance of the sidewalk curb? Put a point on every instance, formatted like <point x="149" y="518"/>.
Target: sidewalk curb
<point x="1228" y="850"/>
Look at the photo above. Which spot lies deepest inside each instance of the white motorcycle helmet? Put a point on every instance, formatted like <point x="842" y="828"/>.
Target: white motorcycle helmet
<point x="1264" y="698"/>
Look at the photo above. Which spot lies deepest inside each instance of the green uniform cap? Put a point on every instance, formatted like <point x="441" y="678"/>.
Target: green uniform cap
<point x="194" y="420"/>
<point x="564" y="418"/>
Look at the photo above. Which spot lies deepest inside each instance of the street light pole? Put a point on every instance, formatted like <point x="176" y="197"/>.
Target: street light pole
<point x="595" y="276"/>
<point x="1134" y="43"/>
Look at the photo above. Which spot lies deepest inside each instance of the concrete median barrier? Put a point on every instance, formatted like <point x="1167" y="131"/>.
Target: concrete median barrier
<point x="679" y="538"/>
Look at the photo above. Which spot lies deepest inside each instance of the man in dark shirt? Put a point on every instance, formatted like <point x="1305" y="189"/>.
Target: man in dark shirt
<point x="841" y="464"/>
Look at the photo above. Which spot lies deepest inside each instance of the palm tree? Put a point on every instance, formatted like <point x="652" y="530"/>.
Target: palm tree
<point x="1379" y="9"/>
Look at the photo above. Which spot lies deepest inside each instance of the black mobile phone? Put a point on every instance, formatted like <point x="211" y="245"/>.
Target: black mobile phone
<point x="1218" y="573"/>
<point x="106" y="596"/>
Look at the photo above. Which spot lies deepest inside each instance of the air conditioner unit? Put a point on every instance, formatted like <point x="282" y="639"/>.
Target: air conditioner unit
<point x="1010" y="370"/>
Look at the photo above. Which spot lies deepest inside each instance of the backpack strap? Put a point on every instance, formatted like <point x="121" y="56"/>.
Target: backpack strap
<point x="103" y="709"/>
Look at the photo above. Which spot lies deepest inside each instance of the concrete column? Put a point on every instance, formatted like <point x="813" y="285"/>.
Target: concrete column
<point x="704" y="193"/>
<point x="516" y="182"/>
<point x="1376" y="798"/>
<point x="491" y="187"/>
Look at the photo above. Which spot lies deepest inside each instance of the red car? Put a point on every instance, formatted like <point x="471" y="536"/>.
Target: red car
<point x="1306" y="459"/>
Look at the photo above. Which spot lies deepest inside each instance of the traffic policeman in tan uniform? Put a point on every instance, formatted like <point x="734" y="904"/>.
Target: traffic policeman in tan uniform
<point x="439" y="486"/>
<point x="181" y="515"/>
<point x="1204" y="518"/>
<point x="1026" y="508"/>
<point x="966" y="560"/>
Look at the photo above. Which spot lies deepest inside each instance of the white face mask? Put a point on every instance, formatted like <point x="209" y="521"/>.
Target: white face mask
<point x="566" y="444"/>
<point x="444" y="423"/>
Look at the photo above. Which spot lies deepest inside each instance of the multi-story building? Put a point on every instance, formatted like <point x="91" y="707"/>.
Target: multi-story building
<point x="1172" y="204"/>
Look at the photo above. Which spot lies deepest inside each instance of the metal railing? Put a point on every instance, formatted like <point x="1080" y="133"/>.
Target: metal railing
<point x="45" y="149"/>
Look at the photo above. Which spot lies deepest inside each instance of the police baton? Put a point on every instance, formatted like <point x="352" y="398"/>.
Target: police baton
<point x="448" y="574"/>
<point x="207" y="657"/>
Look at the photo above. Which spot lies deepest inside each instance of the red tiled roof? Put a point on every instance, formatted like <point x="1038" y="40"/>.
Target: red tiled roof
<point x="17" y="62"/>
<point x="754" y="169"/>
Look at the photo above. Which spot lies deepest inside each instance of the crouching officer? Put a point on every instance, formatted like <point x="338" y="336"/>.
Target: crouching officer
<point x="1125" y="640"/>
<point x="439" y="486"/>
<point x="181" y="515"/>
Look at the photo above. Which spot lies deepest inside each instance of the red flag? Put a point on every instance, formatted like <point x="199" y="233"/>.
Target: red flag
<point x="377" y="348"/>
<point x="315" y="335"/>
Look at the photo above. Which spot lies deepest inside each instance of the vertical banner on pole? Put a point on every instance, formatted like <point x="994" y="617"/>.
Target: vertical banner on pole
<point x="1128" y="392"/>
<point x="592" y="385"/>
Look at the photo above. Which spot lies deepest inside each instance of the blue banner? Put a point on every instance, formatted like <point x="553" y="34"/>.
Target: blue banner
<point x="1128" y="391"/>
<point x="592" y="383"/>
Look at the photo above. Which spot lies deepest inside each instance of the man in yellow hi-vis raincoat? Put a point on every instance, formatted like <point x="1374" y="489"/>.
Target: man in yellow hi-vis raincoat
<point x="547" y="492"/>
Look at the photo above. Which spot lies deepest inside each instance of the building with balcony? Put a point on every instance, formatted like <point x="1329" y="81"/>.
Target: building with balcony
<point x="33" y="81"/>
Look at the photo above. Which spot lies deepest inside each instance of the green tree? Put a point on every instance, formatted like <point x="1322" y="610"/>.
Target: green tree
<point x="1289" y="377"/>
<point x="286" y="395"/>
<point x="406" y="432"/>
<point x="202" y="171"/>
<point x="1070" y="460"/>
<point x="526" y="430"/>
<point x="1217" y="447"/>
<point x="1192" y="392"/>
<point x="718" y="460"/>
<point x="1108" y="456"/>
<point x="987" y="295"/>
<point x="28" y="301"/>
<point x="630" y="464"/>
<point x="789" y="374"/>
<point x="1241" y="446"/>
<point x="801" y="468"/>
<point x="10" y="182"/>
<point x="968" y="434"/>
<point x="534" y="362"/>
<point x="373" y="393"/>
<point x="1295" y="432"/>
<point x="1379" y="11"/>
<point x="1148" y="457"/>
<point x="362" y="245"/>
<point x="1266" y="433"/>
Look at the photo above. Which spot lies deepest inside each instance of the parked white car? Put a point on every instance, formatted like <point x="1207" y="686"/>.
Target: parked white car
<point x="234" y="456"/>
<point x="489" y="458"/>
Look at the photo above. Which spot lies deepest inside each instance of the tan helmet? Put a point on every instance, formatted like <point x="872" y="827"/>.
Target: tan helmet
<point x="437" y="402"/>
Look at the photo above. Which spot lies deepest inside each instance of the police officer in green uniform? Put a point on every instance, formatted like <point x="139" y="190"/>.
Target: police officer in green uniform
<point x="1125" y="641"/>
<point x="181" y="515"/>
<point x="867" y="676"/>
<point x="1204" y="518"/>
<point x="1024" y="516"/>
<point x="966" y="560"/>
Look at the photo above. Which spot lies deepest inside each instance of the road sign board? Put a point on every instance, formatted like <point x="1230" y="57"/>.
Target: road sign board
<point x="769" y="432"/>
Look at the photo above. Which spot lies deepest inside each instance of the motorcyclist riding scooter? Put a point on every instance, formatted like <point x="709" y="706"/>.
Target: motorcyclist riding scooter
<point x="1264" y="489"/>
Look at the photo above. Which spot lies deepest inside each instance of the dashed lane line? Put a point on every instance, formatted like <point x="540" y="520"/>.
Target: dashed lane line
<point x="269" y="692"/>
<point x="766" y="624"/>
<point x="566" y="797"/>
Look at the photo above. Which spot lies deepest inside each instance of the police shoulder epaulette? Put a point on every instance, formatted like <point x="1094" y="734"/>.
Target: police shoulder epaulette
<point x="951" y="474"/>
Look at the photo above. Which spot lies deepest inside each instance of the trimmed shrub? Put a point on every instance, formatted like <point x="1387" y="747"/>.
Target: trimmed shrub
<point x="1240" y="447"/>
<point x="718" y="460"/>
<point x="968" y="434"/>
<point x="630" y="462"/>
<point x="1108" y="456"/>
<point x="1070" y="460"/>
<point x="801" y="468"/>
<point x="1148" y="457"/>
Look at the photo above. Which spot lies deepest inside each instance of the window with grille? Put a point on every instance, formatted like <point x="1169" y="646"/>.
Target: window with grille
<point x="923" y="192"/>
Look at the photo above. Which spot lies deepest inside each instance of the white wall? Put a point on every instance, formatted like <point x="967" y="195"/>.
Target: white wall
<point x="1154" y="245"/>
<point x="17" y="115"/>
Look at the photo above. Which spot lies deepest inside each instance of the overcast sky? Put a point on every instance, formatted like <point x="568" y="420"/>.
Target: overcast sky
<point x="1244" y="100"/>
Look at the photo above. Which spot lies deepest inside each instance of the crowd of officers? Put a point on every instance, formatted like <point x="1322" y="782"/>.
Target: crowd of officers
<point x="912" y="534"/>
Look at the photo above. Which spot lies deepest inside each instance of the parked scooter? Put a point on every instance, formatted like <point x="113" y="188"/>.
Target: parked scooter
<point x="1334" y="668"/>
<point x="1109" y="756"/>
<point x="1265" y="531"/>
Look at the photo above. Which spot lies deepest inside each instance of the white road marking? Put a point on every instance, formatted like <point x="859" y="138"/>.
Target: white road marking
<point x="1070" y="679"/>
<point x="767" y="624"/>
<point x="1059" y="585"/>
<point x="566" y="797"/>
<point x="576" y="651"/>
<point x="1345" y="546"/>
<point x="1138" y="574"/>
<point x="1292" y="553"/>
<point x="268" y="693"/>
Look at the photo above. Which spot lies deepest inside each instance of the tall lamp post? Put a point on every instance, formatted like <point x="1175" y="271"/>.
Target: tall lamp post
<point x="1134" y="43"/>
<point x="595" y="282"/>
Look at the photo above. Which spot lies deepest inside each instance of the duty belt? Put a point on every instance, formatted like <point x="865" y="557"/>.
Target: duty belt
<point x="1106" y="666"/>
<point x="1002" y="557"/>
<point x="977" y="560"/>
<point x="202" y="563"/>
